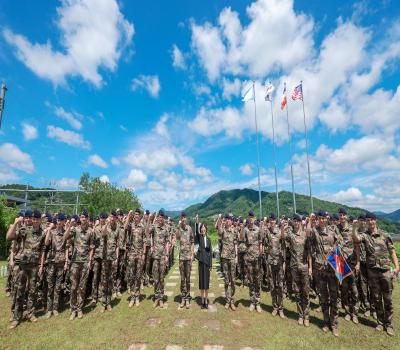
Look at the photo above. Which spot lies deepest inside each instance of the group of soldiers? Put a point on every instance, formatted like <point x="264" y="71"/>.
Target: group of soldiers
<point x="292" y="256"/>
<point x="55" y="257"/>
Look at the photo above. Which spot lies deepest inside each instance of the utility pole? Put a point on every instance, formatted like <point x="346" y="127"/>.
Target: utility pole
<point x="2" y="101"/>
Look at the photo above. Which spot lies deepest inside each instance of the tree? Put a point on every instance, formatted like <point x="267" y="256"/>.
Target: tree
<point x="101" y="196"/>
<point x="7" y="217"/>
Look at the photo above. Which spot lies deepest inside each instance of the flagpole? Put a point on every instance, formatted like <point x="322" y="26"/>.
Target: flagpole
<point x="291" y="153"/>
<point x="258" y="150"/>
<point x="274" y="148"/>
<point x="307" y="153"/>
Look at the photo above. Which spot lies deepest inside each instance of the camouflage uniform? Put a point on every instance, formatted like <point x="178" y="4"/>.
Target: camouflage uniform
<point x="229" y="239"/>
<point x="83" y="242"/>
<point x="242" y="273"/>
<point x="186" y="241"/>
<point x="136" y="240"/>
<point x="362" y="280"/>
<point x="349" y="291"/>
<point x="160" y="236"/>
<point x="148" y="260"/>
<point x="111" y="236"/>
<point x="322" y="239"/>
<point x="253" y="239"/>
<point x="55" y="267"/>
<point x="298" y="244"/>
<point x="98" y="256"/>
<point x="31" y="243"/>
<point x="119" y="267"/>
<point x="275" y="250"/>
<point x="378" y="248"/>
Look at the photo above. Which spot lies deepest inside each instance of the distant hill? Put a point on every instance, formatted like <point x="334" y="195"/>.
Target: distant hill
<point x="395" y="216"/>
<point x="239" y="202"/>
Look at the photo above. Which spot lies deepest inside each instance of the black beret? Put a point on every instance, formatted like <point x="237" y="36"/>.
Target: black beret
<point x="370" y="215"/>
<point x="361" y="217"/>
<point x="297" y="217"/>
<point x="28" y="213"/>
<point x="183" y="214"/>
<point x="85" y="214"/>
<point x="342" y="211"/>
<point x="251" y="213"/>
<point x="77" y="219"/>
<point x="49" y="216"/>
<point x="37" y="214"/>
<point x="54" y="221"/>
<point x="61" y="216"/>
<point x="272" y="216"/>
<point x="335" y="216"/>
<point x="227" y="216"/>
<point x="21" y="214"/>
<point x="321" y="213"/>
<point x="351" y="218"/>
<point x="137" y="210"/>
<point x="240" y="221"/>
<point x="103" y="215"/>
<point x="113" y="212"/>
<point x="147" y="211"/>
<point x="161" y="212"/>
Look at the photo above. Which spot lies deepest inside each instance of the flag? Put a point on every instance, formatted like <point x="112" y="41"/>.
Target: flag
<point x="248" y="94"/>
<point x="284" y="101"/>
<point x="297" y="93"/>
<point x="339" y="263"/>
<point x="268" y="92"/>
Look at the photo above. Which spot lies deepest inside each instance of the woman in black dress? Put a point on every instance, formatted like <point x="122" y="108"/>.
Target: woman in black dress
<point x="204" y="256"/>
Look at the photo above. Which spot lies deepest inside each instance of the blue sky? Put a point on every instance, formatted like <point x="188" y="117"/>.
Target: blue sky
<point x="148" y="96"/>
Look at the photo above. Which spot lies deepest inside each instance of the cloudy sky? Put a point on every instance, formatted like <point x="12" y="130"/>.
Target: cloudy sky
<point x="148" y="96"/>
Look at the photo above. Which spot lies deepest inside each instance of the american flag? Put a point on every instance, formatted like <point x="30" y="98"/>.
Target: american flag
<point x="297" y="93"/>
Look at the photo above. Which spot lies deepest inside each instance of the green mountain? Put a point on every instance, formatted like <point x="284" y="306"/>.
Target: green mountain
<point x="395" y="216"/>
<point x="239" y="202"/>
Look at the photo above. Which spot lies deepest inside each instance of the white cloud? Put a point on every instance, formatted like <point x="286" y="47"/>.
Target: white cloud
<point x="95" y="159"/>
<point x="161" y="126"/>
<point x="351" y="195"/>
<point x="115" y="161"/>
<point x="66" y="182"/>
<point x="68" y="117"/>
<point x="66" y="136"/>
<point x="246" y="169"/>
<point x="156" y="159"/>
<point x="29" y="131"/>
<point x="178" y="60"/>
<point x="93" y="37"/>
<point x="231" y="88"/>
<point x="136" y="179"/>
<point x="104" y="178"/>
<point x="150" y="83"/>
<point x="13" y="157"/>
<point x="7" y="175"/>
<point x="154" y="185"/>
<point x="225" y="169"/>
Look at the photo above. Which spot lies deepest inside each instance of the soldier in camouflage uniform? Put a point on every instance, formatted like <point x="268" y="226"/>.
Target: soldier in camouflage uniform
<point x="159" y="236"/>
<point x="83" y="241"/>
<point x="119" y="267"/>
<point x="349" y="291"/>
<point x="30" y="239"/>
<point x="229" y="240"/>
<point x="251" y="234"/>
<point x="136" y="231"/>
<point x="147" y="220"/>
<point x="275" y="250"/>
<point x="300" y="265"/>
<point x="111" y="236"/>
<point x="379" y="251"/>
<point x="57" y="262"/>
<point x="242" y="273"/>
<point x="323" y="237"/>
<point x="185" y="236"/>
<point x="98" y="256"/>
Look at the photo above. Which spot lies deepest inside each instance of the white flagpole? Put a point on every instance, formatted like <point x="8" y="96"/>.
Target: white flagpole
<point x="291" y="152"/>
<point x="258" y="150"/>
<point x="308" y="161"/>
<point x="274" y="150"/>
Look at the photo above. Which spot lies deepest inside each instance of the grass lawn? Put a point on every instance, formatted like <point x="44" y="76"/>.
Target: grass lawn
<point x="123" y="326"/>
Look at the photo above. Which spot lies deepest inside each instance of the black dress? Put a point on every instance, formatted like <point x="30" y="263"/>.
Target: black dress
<point x="204" y="256"/>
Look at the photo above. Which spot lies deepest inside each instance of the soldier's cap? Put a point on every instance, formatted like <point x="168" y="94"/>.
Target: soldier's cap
<point x="321" y="213"/>
<point x="103" y="215"/>
<point x="161" y="212"/>
<point x="68" y="217"/>
<point x="272" y="216"/>
<point x="240" y="221"/>
<point x="113" y="212"/>
<point x="361" y="217"/>
<point x="228" y="217"/>
<point x="49" y="216"/>
<point x="28" y="213"/>
<point x="61" y="216"/>
<point x="85" y="214"/>
<point x="351" y="218"/>
<point x="183" y="214"/>
<point x="147" y="211"/>
<point x="335" y="216"/>
<point x="76" y="217"/>
<point x="251" y="213"/>
<point x="54" y="221"/>
<point x="37" y="214"/>
<point x="297" y="217"/>
<point x="342" y="211"/>
<point x="370" y="215"/>
<point x="137" y="210"/>
<point x="21" y="214"/>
